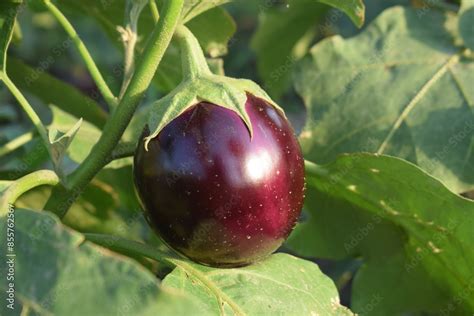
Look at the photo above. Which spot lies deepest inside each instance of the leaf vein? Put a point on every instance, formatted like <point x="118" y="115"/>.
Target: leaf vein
<point x="416" y="99"/>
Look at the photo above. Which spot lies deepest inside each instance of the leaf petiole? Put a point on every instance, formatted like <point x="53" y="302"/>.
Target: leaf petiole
<point x="26" y="107"/>
<point x="154" y="10"/>
<point x="24" y="184"/>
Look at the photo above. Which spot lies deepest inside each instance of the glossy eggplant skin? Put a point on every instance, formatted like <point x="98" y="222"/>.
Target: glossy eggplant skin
<point x="216" y="195"/>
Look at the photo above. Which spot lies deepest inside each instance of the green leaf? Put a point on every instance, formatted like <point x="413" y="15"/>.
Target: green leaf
<point x="466" y="23"/>
<point x="52" y="90"/>
<point x="355" y="9"/>
<point x="192" y="8"/>
<point x="57" y="272"/>
<point x="338" y="23"/>
<point x="59" y="143"/>
<point x="279" y="285"/>
<point x="277" y="54"/>
<point x="401" y="88"/>
<point x="8" y="12"/>
<point x="414" y="235"/>
<point x="84" y="138"/>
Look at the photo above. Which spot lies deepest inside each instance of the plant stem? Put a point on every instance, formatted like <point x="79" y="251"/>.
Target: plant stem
<point x="128" y="64"/>
<point x="123" y="150"/>
<point x="86" y="56"/>
<point x="129" y="35"/>
<point x="192" y="57"/>
<point x="16" y="143"/>
<point x="130" y="247"/>
<point x="62" y="198"/>
<point x="314" y="169"/>
<point x="154" y="10"/>
<point x="26" y="107"/>
<point x="24" y="184"/>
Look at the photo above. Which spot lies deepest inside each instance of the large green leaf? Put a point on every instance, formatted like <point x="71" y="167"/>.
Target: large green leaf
<point x="414" y="235"/>
<point x="213" y="27"/>
<point x="401" y="87"/>
<point x="280" y="285"/>
<point x="278" y="54"/>
<point x="57" y="272"/>
<point x="51" y="90"/>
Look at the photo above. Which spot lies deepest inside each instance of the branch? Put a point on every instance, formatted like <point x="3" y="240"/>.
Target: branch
<point x="123" y="150"/>
<point x="129" y="35"/>
<point x="315" y="170"/>
<point x="62" y="198"/>
<point x="131" y="248"/>
<point x="24" y="184"/>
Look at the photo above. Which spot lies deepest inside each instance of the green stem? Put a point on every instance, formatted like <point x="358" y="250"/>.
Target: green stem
<point x="128" y="64"/>
<point x="24" y="184"/>
<point x="62" y="198"/>
<point x="26" y="107"/>
<point x="130" y="248"/>
<point x="123" y="150"/>
<point x="192" y="57"/>
<point x="86" y="56"/>
<point x="16" y="143"/>
<point x="129" y="35"/>
<point x="314" y="169"/>
<point x="154" y="10"/>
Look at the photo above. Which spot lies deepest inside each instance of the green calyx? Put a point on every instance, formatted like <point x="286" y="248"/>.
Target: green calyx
<point x="200" y="84"/>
